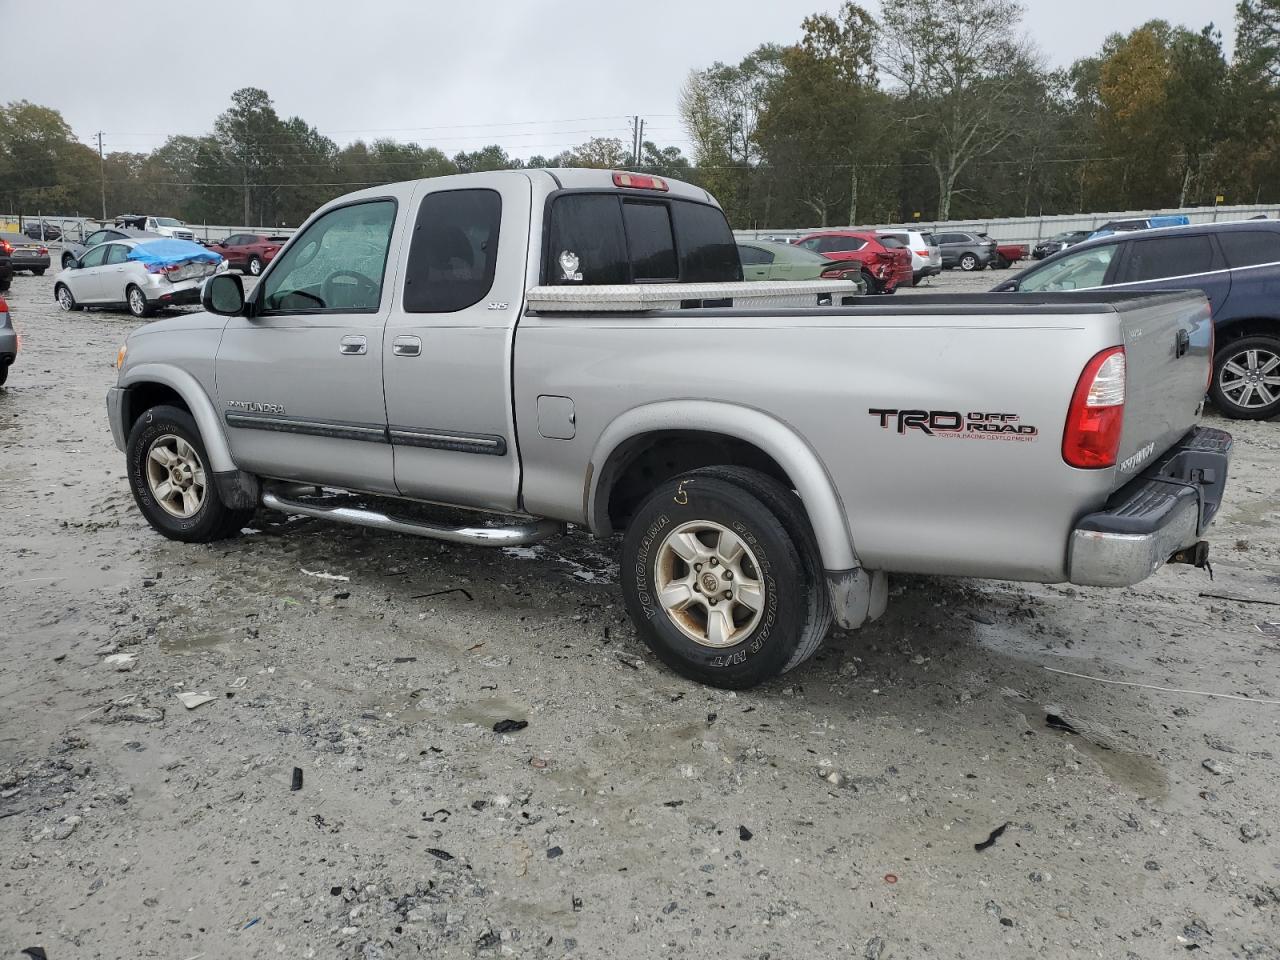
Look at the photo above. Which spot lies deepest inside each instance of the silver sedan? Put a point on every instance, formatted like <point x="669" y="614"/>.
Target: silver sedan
<point x="107" y="277"/>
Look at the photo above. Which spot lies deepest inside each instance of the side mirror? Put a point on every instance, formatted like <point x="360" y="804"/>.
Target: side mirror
<point x="1009" y="286"/>
<point x="223" y="294"/>
<point x="74" y="264"/>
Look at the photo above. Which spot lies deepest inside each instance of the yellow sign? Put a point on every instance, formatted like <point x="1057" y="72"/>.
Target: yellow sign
<point x="1220" y="198"/>
<point x="916" y="214"/>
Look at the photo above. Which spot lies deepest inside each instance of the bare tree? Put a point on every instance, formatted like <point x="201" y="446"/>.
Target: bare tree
<point x="960" y="63"/>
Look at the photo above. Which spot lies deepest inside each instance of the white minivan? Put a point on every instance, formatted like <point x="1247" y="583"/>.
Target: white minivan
<point x="926" y="255"/>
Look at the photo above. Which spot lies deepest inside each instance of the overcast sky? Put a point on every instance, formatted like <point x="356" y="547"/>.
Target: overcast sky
<point x="536" y="76"/>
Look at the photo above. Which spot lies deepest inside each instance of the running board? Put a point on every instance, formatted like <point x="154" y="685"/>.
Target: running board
<point x="515" y="535"/>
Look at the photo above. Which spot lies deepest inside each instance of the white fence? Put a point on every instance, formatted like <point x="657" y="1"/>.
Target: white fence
<point x="1032" y="229"/>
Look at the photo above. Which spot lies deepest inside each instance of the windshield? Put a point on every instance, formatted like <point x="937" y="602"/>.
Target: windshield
<point x="169" y="222"/>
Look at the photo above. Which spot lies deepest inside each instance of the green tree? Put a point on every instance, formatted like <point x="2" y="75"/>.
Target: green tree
<point x="822" y="130"/>
<point x="602" y="153"/>
<point x="960" y="64"/>
<point x="42" y="165"/>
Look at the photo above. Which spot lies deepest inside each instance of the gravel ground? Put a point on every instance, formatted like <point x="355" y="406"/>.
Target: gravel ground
<point x="834" y="813"/>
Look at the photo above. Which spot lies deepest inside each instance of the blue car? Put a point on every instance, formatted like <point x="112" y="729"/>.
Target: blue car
<point x="1235" y="265"/>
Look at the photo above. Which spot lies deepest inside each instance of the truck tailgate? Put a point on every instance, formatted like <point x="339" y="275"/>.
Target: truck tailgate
<point x="1167" y="341"/>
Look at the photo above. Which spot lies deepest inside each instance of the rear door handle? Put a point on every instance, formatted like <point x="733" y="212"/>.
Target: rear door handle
<point x="406" y="346"/>
<point x="353" y="346"/>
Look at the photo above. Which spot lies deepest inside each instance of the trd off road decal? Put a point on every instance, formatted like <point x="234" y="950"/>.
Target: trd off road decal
<point x="951" y="423"/>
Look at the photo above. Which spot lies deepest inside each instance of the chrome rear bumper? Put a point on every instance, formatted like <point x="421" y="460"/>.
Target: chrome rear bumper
<point x="1160" y="513"/>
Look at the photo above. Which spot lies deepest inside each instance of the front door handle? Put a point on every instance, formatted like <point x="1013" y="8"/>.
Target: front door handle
<point x="406" y="346"/>
<point x="353" y="346"/>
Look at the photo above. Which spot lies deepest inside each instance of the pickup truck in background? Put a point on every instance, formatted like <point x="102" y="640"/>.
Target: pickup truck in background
<point x="1007" y="254"/>
<point x="551" y="347"/>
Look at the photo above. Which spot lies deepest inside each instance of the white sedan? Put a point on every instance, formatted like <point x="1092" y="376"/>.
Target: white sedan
<point x="108" y="276"/>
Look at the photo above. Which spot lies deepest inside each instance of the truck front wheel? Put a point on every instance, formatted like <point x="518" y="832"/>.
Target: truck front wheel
<point x="171" y="480"/>
<point x="722" y="579"/>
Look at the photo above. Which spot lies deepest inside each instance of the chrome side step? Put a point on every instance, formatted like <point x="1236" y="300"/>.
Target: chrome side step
<point x="514" y="535"/>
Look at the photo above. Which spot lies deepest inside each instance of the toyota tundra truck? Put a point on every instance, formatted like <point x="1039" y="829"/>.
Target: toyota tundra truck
<point x="536" y="348"/>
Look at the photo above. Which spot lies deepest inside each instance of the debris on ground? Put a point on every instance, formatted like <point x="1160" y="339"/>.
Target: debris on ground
<point x="509" y="726"/>
<point x="992" y="837"/>
<point x="193" y="700"/>
<point x="296" y="783"/>
<point x="320" y="575"/>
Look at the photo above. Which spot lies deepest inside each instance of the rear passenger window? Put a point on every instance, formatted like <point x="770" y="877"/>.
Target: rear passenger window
<point x="653" y="248"/>
<point x="1164" y="257"/>
<point x="1249" y="248"/>
<point x="754" y="256"/>
<point x="707" y="251"/>
<point x="454" y="251"/>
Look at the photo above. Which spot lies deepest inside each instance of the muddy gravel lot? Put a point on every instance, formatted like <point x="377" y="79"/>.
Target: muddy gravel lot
<point x="841" y="812"/>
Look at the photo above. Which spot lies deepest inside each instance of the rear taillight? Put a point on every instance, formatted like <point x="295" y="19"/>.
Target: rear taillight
<point x="162" y="268"/>
<point x="922" y="253"/>
<point x="639" y="181"/>
<point x="43" y="251"/>
<point x="1096" y="416"/>
<point x="6" y="247"/>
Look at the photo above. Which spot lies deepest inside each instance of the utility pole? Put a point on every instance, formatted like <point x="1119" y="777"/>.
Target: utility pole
<point x="245" y="222"/>
<point x="635" y="141"/>
<point x="102" y="166"/>
<point x="640" y="143"/>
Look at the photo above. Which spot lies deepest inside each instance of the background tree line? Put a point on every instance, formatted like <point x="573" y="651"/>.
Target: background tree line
<point x="944" y="108"/>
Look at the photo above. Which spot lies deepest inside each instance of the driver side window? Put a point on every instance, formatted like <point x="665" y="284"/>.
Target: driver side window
<point x="337" y="265"/>
<point x="1076" y="271"/>
<point x="96" y="256"/>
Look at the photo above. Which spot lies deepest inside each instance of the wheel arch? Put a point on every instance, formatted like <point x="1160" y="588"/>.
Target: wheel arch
<point x="1250" y="326"/>
<point x="148" y="384"/>
<point x="713" y="430"/>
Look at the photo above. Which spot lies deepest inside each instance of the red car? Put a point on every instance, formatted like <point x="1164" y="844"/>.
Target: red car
<point x="885" y="262"/>
<point x="249" y="252"/>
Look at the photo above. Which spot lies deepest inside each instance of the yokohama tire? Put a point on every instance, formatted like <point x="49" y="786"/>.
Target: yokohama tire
<point x="213" y="520"/>
<point x="791" y="608"/>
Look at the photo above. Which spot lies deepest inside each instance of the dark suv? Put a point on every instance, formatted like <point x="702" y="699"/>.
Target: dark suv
<point x="1236" y="265"/>
<point x="968" y="251"/>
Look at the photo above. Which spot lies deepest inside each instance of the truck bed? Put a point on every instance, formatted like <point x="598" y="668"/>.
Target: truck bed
<point x="1001" y="505"/>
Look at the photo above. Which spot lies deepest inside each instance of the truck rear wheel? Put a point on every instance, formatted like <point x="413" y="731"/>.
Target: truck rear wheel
<point x="171" y="480"/>
<point x="722" y="580"/>
<point x="1246" y="378"/>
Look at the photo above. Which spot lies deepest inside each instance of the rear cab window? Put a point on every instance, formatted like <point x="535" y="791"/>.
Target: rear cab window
<point x="615" y="238"/>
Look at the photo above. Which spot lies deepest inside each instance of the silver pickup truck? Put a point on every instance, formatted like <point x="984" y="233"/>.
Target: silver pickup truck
<point x="546" y="347"/>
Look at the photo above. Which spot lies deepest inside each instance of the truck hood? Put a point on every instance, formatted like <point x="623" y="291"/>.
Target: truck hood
<point x="199" y="320"/>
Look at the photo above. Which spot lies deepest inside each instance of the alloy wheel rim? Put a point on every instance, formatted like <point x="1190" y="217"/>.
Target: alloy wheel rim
<point x="1251" y="378"/>
<point x="136" y="303"/>
<point x="709" y="584"/>
<point x="64" y="298"/>
<point x="255" y="267"/>
<point x="175" y="476"/>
